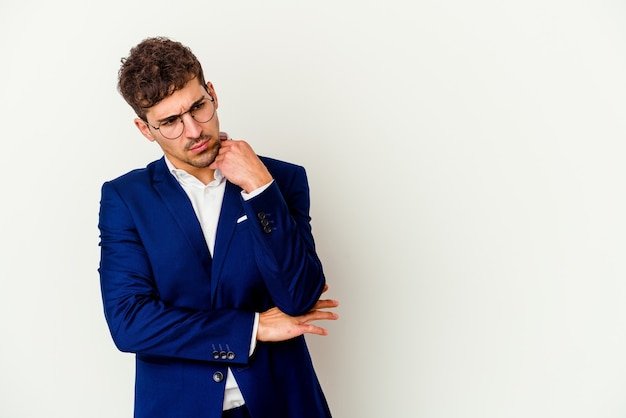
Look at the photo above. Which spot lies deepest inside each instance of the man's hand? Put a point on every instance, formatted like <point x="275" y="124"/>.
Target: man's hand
<point x="240" y="165"/>
<point x="274" y="325"/>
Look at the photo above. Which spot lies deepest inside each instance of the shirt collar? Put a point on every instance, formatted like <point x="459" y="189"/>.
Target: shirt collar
<point x="187" y="179"/>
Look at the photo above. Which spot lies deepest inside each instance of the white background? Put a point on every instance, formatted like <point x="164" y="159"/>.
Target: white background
<point x="466" y="163"/>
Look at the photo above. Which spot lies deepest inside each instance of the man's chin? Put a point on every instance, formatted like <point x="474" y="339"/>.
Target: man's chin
<point x="204" y="159"/>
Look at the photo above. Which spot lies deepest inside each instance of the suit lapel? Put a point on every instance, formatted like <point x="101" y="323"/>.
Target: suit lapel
<point x="177" y="202"/>
<point x="231" y="211"/>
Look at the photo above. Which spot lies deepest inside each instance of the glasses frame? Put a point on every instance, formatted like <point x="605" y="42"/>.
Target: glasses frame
<point x="180" y="117"/>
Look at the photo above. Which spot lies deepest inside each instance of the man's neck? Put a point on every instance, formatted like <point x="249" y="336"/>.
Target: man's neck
<point x="205" y="174"/>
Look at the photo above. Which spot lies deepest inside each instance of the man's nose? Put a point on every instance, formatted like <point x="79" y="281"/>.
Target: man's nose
<point x="192" y="128"/>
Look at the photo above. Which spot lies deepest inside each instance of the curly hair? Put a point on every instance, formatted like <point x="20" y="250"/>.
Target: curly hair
<point x="154" y="70"/>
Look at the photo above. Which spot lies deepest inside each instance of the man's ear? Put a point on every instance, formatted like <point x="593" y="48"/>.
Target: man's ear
<point x="211" y="91"/>
<point x="144" y="129"/>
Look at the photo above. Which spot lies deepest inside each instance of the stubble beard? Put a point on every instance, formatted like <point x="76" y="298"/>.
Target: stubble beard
<point x="207" y="156"/>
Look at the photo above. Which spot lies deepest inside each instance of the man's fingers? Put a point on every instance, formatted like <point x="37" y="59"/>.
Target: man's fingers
<point x="274" y="325"/>
<point x="326" y="303"/>
<point x="317" y="315"/>
<point x="314" y="329"/>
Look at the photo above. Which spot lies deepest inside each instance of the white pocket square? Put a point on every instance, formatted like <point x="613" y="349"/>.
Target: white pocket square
<point x="243" y="218"/>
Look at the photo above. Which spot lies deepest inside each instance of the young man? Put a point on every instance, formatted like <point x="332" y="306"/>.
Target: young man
<point x="208" y="266"/>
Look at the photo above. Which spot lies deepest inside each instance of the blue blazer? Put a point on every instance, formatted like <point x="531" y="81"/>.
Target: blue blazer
<point x="189" y="316"/>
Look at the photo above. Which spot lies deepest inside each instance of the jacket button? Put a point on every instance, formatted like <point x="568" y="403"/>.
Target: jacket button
<point x="216" y="355"/>
<point x="267" y="229"/>
<point x="218" y="377"/>
<point x="231" y="355"/>
<point x="261" y="215"/>
<point x="223" y="355"/>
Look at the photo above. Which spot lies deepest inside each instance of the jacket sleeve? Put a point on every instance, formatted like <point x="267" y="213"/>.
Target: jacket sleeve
<point x="138" y="319"/>
<point x="284" y="245"/>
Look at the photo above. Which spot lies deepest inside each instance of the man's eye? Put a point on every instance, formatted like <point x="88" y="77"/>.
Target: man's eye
<point x="169" y="121"/>
<point x="198" y="106"/>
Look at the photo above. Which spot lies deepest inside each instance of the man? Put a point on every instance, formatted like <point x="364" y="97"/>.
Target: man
<point x="208" y="266"/>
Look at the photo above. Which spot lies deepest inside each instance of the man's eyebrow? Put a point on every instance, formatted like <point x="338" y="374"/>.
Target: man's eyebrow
<point x="194" y="104"/>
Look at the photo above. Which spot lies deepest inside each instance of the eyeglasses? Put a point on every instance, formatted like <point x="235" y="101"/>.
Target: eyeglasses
<point x="173" y="127"/>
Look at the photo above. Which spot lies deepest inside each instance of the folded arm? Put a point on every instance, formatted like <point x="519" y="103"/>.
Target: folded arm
<point x="139" y="319"/>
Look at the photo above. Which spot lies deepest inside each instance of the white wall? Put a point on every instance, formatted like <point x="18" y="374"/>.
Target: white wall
<point x="467" y="169"/>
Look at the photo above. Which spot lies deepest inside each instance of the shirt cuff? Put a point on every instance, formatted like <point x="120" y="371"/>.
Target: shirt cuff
<point x="255" y="328"/>
<point x="255" y="192"/>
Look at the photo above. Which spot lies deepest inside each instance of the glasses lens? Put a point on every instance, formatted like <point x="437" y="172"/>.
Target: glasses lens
<point x="172" y="128"/>
<point x="201" y="113"/>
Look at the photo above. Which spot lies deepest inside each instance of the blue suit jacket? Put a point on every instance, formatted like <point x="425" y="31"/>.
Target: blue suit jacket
<point x="189" y="316"/>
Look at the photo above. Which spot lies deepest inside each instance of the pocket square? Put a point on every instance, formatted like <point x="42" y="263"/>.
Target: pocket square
<point x="243" y="218"/>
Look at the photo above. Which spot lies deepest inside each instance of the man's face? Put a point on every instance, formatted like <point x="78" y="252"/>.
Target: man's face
<point x="196" y="148"/>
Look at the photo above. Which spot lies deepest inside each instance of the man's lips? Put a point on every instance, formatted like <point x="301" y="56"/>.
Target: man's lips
<point x="200" y="146"/>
